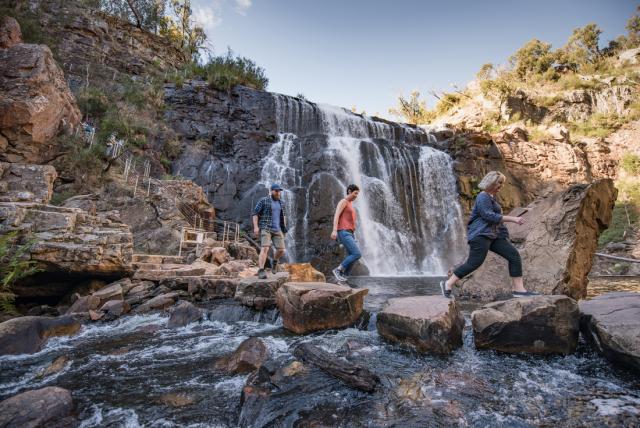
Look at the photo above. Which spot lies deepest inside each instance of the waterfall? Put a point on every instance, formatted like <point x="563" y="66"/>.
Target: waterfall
<point x="409" y="218"/>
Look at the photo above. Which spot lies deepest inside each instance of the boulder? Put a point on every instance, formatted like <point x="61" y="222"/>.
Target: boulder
<point x="556" y="243"/>
<point x="162" y="301"/>
<point x="303" y="272"/>
<point x="430" y="324"/>
<point x="110" y="292"/>
<point x="249" y="356"/>
<point x="184" y="313"/>
<point x="10" y="33"/>
<point x="49" y="406"/>
<point x="611" y="323"/>
<point x="27" y="335"/>
<point x="536" y="324"/>
<point x="239" y="251"/>
<point x="313" y="306"/>
<point x="260" y="293"/>
<point x="35" y="103"/>
<point x="24" y="182"/>
<point x="115" y="309"/>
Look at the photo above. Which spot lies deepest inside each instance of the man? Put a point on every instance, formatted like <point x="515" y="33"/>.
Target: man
<point x="270" y="225"/>
<point x="344" y="227"/>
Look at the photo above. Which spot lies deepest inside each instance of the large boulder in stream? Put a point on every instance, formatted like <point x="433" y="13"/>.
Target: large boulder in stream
<point x="556" y="244"/>
<point x="249" y="356"/>
<point x="611" y="323"/>
<point x="536" y="324"/>
<point x="313" y="306"/>
<point x="260" y="293"/>
<point x="26" y="335"/>
<point x="430" y="324"/>
<point x="46" y="407"/>
<point x="182" y="314"/>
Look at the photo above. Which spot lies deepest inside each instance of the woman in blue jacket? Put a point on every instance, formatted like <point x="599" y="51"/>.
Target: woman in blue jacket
<point x="486" y="231"/>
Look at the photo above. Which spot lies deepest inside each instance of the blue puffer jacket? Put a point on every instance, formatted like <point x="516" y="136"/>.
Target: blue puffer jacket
<point x="486" y="219"/>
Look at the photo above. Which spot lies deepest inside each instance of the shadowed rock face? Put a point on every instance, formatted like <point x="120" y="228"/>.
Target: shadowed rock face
<point x="26" y="335"/>
<point x="313" y="306"/>
<point x="50" y="406"/>
<point x="430" y="324"/>
<point x="538" y="325"/>
<point x="556" y="244"/>
<point x="611" y="323"/>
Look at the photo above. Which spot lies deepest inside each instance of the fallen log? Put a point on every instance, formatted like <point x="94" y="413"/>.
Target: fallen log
<point x="353" y="375"/>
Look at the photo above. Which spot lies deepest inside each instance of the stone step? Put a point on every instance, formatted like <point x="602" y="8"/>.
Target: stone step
<point x="156" y="258"/>
<point x="158" y="266"/>
<point x="158" y="275"/>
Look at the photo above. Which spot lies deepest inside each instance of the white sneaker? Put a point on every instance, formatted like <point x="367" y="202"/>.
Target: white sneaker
<point x="337" y="273"/>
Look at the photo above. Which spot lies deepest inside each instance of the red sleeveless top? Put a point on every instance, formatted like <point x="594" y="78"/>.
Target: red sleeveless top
<point x="347" y="219"/>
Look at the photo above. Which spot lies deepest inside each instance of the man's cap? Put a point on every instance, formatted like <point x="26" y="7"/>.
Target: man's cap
<point x="276" y="187"/>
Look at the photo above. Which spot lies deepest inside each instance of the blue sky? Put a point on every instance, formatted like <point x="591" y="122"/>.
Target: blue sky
<point x="366" y="53"/>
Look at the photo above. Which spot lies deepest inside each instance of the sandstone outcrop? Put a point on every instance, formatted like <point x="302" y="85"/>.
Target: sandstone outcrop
<point x="611" y="323"/>
<point x="556" y="244"/>
<point x="26" y="335"/>
<point x="69" y="240"/>
<point x="35" y="102"/>
<point x="537" y="325"/>
<point x="260" y="293"/>
<point x="26" y="183"/>
<point x="430" y="324"/>
<point x="313" y="306"/>
<point x="45" y="407"/>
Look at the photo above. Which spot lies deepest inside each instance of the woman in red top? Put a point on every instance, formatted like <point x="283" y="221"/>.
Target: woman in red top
<point x="344" y="227"/>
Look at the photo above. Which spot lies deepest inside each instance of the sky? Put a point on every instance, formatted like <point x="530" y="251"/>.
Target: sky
<point x="367" y="53"/>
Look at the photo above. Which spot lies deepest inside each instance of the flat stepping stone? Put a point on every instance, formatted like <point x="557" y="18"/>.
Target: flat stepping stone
<point x="536" y="325"/>
<point x="156" y="258"/>
<point x="314" y="306"/>
<point x="611" y="324"/>
<point x="160" y="274"/>
<point x="430" y="324"/>
<point x="260" y="293"/>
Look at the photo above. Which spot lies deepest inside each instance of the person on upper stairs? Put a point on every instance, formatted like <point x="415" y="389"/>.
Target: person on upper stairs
<point x="269" y="223"/>
<point x="344" y="228"/>
<point x="486" y="231"/>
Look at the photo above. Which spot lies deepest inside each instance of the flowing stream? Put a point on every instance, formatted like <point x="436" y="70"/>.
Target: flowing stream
<point x="136" y="372"/>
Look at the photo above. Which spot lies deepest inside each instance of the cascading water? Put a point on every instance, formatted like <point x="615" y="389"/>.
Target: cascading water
<point x="409" y="219"/>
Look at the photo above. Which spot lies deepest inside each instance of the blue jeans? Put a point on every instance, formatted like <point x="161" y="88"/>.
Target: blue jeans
<point x="353" y="252"/>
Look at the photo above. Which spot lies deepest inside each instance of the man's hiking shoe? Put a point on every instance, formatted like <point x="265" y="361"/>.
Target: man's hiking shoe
<point x="446" y="293"/>
<point x="337" y="273"/>
<point x="274" y="267"/>
<point x="262" y="274"/>
<point x="525" y="293"/>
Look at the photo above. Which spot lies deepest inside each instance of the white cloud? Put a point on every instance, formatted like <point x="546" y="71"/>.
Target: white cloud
<point x="208" y="17"/>
<point x="242" y="6"/>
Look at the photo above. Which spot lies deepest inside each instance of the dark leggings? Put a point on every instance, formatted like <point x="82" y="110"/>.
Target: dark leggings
<point x="478" y="248"/>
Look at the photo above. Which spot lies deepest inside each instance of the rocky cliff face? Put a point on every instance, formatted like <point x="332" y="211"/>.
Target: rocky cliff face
<point x="36" y="103"/>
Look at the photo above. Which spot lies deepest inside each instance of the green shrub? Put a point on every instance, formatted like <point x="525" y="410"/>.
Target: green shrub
<point x="599" y="125"/>
<point x="125" y="124"/>
<point x="14" y="265"/>
<point x="631" y="163"/>
<point x="619" y="223"/>
<point x="446" y="103"/>
<point x="93" y="102"/>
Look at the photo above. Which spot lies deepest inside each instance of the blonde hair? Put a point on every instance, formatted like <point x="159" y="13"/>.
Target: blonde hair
<point x="491" y="179"/>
